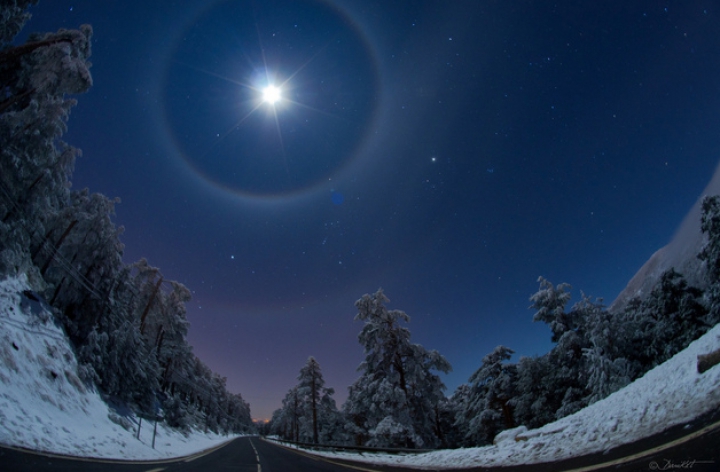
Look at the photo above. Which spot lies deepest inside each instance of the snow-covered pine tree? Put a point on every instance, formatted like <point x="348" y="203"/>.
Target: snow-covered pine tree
<point x="710" y="226"/>
<point x="13" y="16"/>
<point x="446" y="414"/>
<point x="567" y="380"/>
<point x="116" y="352"/>
<point x="309" y="413"/>
<point x="710" y="254"/>
<point x="166" y="329"/>
<point x="310" y="384"/>
<point x="35" y="165"/>
<point x="605" y="365"/>
<point x="669" y="319"/>
<point x="333" y="427"/>
<point x="67" y="244"/>
<point x="550" y="302"/>
<point x="286" y="420"/>
<point x="311" y="390"/>
<point x="486" y="409"/>
<point x="605" y="375"/>
<point x="535" y="402"/>
<point x="238" y="411"/>
<point x="121" y="364"/>
<point x="394" y="401"/>
<point x="84" y="267"/>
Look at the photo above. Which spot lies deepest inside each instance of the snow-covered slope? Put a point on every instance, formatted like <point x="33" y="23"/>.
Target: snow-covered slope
<point x="672" y="393"/>
<point x="680" y="253"/>
<point x="45" y="406"/>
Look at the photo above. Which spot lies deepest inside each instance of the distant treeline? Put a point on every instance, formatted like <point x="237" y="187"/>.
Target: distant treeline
<point x="127" y="322"/>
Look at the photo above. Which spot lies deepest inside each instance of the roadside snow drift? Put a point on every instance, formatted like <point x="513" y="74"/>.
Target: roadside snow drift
<point x="45" y="406"/>
<point x="671" y="394"/>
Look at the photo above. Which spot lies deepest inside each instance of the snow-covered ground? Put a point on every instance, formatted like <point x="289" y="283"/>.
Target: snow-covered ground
<point x="672" y="393"/>
<point x="45" y="406"/>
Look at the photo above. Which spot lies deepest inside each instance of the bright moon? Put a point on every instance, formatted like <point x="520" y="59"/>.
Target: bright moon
<point x="271" y="94"/>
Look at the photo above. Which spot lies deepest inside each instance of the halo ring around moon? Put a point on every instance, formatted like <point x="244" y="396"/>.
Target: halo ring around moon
<point x="312" y="181"/>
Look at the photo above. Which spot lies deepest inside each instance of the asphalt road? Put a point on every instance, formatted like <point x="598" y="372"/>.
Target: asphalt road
<point x="240" y="455"/>
<point x="246" y="454"/>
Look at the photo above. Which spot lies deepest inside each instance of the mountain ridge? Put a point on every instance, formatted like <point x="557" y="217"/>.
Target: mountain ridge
<point x="680" y="253"/>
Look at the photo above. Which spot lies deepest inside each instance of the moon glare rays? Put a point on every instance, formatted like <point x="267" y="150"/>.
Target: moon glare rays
<point x="324" y="100"/>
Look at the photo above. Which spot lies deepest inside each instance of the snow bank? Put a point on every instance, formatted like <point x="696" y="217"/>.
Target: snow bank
<point x="672" y="393"/>
<point x="45" y="406"/>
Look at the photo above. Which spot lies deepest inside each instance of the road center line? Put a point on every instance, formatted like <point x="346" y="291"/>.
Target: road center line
<point x="257" y="456"/>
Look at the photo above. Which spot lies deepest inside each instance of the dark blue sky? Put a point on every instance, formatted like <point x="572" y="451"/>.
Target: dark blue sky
<point x="449" y="152"/>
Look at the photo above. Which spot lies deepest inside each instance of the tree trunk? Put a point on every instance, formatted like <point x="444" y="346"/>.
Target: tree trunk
<point x="401" y="371"/>
<point x="5" y="104"/>
<point x="438" y="427"/>
<point x="16" y="52"/>
<point x="159" y="338"/>
<point x="57" y="247"/>
<point x="296" y="424"/>
<point x="57" y="291"/>
<point x="24" y="200"/>
<point x="147" y="306"/>
<point x="314" y="409"/>
<point x="508" y="415"/>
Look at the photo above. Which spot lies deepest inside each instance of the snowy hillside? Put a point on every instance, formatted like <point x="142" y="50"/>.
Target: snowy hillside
<point x="45" y="406"/>
<point x="670" y="394"/>
<point x="680" y="253"/>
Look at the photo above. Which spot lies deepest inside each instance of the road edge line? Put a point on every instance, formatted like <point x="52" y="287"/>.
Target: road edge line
<point x="589" y="468"/>
<point x="647" y="452"/>
<point x="107" y="460"/>
<point x="324" y="459"/>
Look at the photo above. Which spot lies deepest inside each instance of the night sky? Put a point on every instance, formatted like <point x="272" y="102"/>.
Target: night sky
<point x="448" y="152"/>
